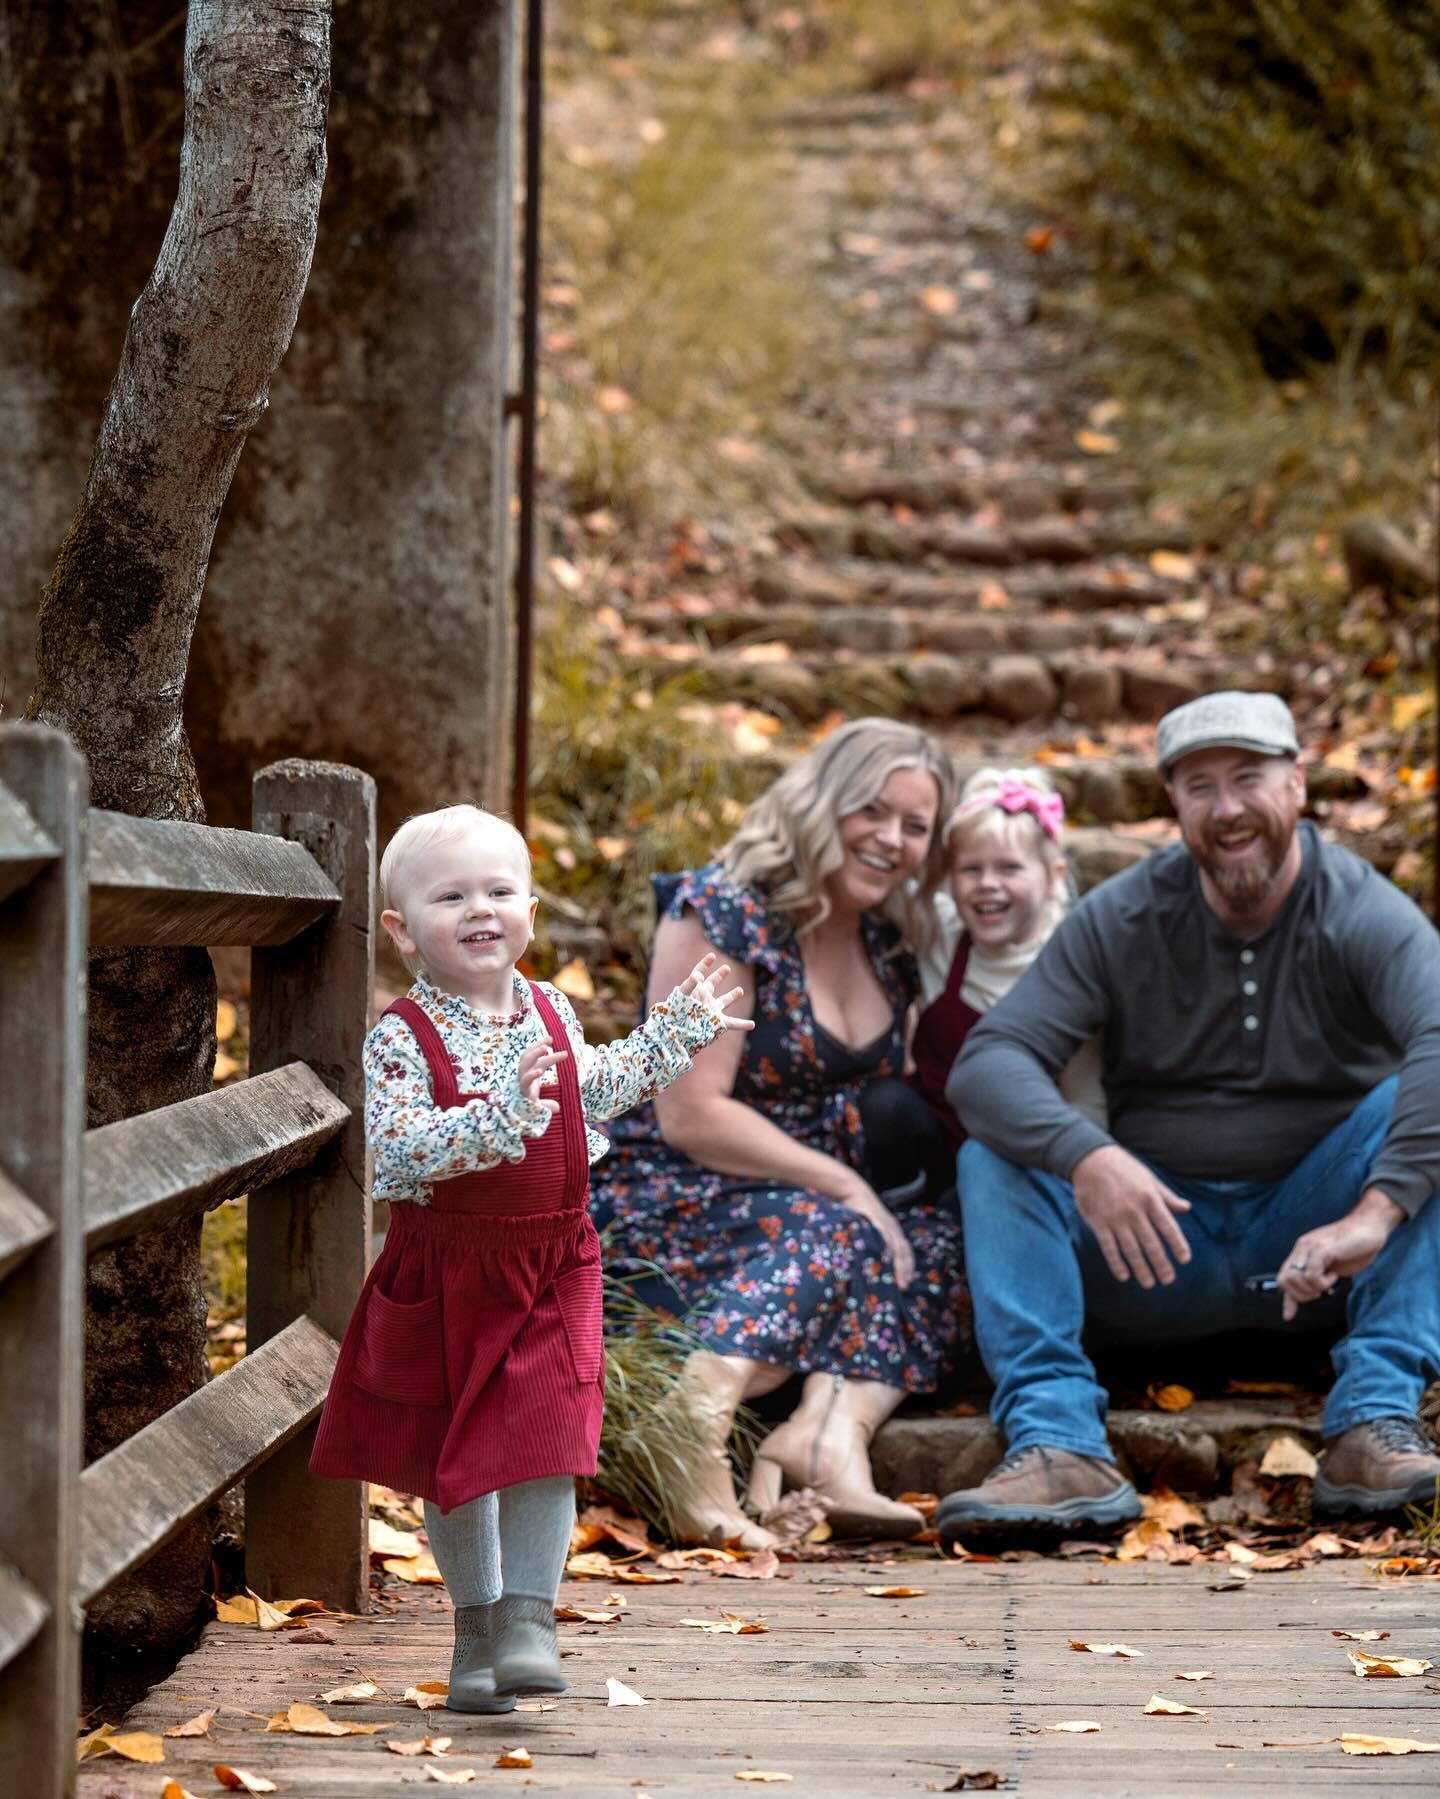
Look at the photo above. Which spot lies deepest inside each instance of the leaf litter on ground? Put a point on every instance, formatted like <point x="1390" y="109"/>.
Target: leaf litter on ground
<point x="420" y="1746"/>
<point x="1370" y="1666"/>
<point x="1121" y="1649"/>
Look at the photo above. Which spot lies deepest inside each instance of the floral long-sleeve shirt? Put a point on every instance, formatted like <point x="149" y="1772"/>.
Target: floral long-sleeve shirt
<point x="416" y="1142"/>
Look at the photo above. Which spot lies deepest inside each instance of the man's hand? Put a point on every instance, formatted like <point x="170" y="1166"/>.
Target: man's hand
<point x="1321" y="1256"/>
<point x="1132" y="1214"/>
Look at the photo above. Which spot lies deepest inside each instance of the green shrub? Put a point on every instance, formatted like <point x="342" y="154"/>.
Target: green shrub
<point x="1269" y="167"/>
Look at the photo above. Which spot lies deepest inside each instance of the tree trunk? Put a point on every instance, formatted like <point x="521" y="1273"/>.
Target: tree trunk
<point x="115" y="628"/>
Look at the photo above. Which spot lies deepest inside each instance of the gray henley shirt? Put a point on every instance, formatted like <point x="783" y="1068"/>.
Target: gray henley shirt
<point x="1225" y="1058"/>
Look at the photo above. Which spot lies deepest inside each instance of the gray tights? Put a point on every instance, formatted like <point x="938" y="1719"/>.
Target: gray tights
<point x="521" y="1533"/>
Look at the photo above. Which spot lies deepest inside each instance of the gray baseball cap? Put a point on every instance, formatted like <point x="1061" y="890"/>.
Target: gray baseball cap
<point x="1231" y="720"/>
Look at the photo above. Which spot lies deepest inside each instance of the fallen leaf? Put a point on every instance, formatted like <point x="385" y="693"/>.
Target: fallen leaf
<point x="418" y="1570"/>
<point x="1171" y="1398"/>
<point x="694" y="1558"/>
<point x="355" y="1695"/>
<point x="1199" y="1674"/>
<point x="250" y="1608"/>
<point x="1370" y="1666"/>
<point x="763" y="1776"/>
<point x="450" y="1777"/>
<point x="1169" y="1509"/>
<point x="1077" y="1726"/>
<point x="385" y="1540"/>
<point x="94" y="1742"/>
<point x="727" y="1625"/>
<point x="860" y="243"/>
<point x="1234" y="1584"/>
<point x="1322" y="1543"/>
<point x="1171" y="565"/>
<point x="1156" y="1707"/>
<point x="765" y="652"/>
<point x="574" y="981"/>
<point x="939" y="302"/>
<point x="198" y="1726"/>
<point x="1285" y="1458"/>
<point x="764" y="1564"/>
<point x="612" y="848"/>
<point x="427" y="1694"/>
<point x="239" y="1781"/>
<point x="619" y="1694"/>
<point x="1237" y="1552"/>
<point x="536" y="1705"/>
<point x="421" y="1746"/>
<point x="1147" y="1540"/>
<point x="1120" y="1649"/>
<point x="172" y="1789"/>
<point x="136" y="1746"/>
<point x="992" y="597"/>
<point x="224" y="1066"/>
<point x="613" y="401"/>
<point x="1038" y="240"/>
<point x="1354" y="1742"/>
<point x="569" y="1614"/>
<point x="1362" y="1636"/>
<point x="1105" y="412"/>
<point x="897" y="1592"/>
<point x="310" y="1721"/>
<point x="518" y="1757"/>
<point x="1097" y="443"/>
<point x="1409" y="709"/>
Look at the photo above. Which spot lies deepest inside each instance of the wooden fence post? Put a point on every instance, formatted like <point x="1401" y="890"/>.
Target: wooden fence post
<point x="309" y="1234"/>
<point x="43" y="929"/>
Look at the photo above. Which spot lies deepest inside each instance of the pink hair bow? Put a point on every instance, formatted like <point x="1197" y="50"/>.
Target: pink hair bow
<point x="1048" y="809"/>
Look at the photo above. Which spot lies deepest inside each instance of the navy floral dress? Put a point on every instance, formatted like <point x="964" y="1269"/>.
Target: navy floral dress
<point x="778" y="1273"/>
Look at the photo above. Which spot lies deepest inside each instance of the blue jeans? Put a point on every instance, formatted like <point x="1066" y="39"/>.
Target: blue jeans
<point x="1038" y="1279"/>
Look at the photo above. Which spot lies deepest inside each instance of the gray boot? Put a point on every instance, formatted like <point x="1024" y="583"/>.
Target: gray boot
<point x="527" y="1652"/>
<point x="472" y="1667"/>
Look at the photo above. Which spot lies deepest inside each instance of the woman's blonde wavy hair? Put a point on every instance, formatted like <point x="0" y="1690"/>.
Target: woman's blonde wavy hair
<point x="788" y="842"/>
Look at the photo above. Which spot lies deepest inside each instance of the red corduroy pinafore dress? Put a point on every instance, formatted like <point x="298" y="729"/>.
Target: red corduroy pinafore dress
<point x="939" y="1032"/>
<point x="474" y="1358"/>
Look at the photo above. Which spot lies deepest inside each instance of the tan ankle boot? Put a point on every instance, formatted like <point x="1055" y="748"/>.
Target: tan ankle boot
<point x="826" y="1445"/>
<point x="701" y="1499"/>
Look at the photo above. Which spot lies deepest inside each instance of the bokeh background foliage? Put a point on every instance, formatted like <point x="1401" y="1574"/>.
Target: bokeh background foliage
<point x="1271" y="167"/>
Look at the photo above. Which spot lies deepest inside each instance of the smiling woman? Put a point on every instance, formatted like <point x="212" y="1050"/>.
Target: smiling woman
<point x="758" y="1197"/>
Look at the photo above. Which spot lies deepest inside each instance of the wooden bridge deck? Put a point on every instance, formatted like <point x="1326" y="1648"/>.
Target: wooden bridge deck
<point x="852" y="1694"/>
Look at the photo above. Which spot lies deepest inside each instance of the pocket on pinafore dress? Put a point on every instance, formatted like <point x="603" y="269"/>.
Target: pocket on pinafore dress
<point x="577" y="1293"/>
<point x="402" y="1350"/>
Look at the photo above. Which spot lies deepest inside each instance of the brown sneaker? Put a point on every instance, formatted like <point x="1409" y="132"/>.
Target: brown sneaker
<point x="1377" y="1467"/>
<point x="1040" y="1489"/>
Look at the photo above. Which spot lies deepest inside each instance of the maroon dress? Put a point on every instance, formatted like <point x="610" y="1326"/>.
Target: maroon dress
<point x="475" y="1358"/>
<point x="939" y="1032"/>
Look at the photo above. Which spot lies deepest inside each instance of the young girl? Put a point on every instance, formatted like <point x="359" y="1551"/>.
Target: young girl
<point x="1007" y="894"/>
<point x="472" y="1372"/>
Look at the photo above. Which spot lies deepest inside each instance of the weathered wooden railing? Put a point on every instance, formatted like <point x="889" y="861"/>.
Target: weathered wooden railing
<point x="297" y="889"/>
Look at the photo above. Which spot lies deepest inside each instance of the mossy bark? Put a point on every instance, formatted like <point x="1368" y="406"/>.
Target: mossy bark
<point x="113" y="643"/>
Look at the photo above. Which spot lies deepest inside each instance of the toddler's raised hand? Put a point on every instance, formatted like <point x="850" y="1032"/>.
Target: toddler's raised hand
<point x="704" y="978"/>
<point x="535" y="1070"/>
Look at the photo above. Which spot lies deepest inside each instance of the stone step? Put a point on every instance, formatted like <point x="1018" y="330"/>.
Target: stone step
<point x="1023" y="495"/>
<point x="1058" y="537"/>
<point x="1193" y="1451"/>
<point x="856" y="581"/>
<point x="1013" y="687"/>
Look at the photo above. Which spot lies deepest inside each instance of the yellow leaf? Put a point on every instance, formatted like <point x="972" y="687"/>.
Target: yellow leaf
<point x="613" y="401"/>
<point x="355" y="1695"/>
<point x="418" y="1570"/>
<point x="226" y="1023"/>
<point x="95" y="1742"/>
<point x="1171" y="565"/>
<point x="224" y="1067"/>
<point x="1174" y="1513"/>
<point x="569" y="1614"/>
<point x="897" y="1592"/>
<point x="1199" y="1674"/>
<point x="421" y="1746"/>
<point x="1097" y="443"/>
<point x="456" y="1777"/>
<point x="137" y="1746"/>
<point x="726" y="1625"/>
<point x="1409" y="709"/>
<point x="1172" y="1398"/>
<point x="427" y="1694"/>
<point x="612" y="848"/>
<point x="1156" y="1707"/>
<point x="1120" y="1649"/>
<point x="1076" y="1726"/>
<point x="1105" y="412"/>
<point x="1354" y="1742"/>
<point x="617" y="1693"/>
<point x="536" y="1705"/>
<point x="939" y="302"/>
<point x="766" y="652"/>
<point x="519" y="1757"/>
<point x="763" y="1776"/>
<point x="385" y="1540"/>
<point x="198" y="1726"/>
<point x="1362" y="1636"/>
<point x="172" y="1789"/>
<point x="1286" y="1458"/>
<point x="574" y="981"/>
<point x="1237" y="1552"/>
<point x="1370" y="1666"/>
<point x="310" y="1721"/>
<point x="1148" y="1537"/>
<point x="239" y="1781"/>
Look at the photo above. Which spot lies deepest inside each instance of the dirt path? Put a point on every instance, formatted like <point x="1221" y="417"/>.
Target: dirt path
<point x="849" y="1693"/>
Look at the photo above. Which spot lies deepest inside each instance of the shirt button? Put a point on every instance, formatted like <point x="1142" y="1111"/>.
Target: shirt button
<point x="1252" y="1023"/>
<point x="1249" y="986"/>
<point x="1247" y="956"/>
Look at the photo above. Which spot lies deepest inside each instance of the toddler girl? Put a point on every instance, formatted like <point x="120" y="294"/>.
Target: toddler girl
<point x="472" y="1372"/>
<point x="1007" y="893"/>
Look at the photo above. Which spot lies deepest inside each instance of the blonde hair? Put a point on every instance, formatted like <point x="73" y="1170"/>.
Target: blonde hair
<point x="424" y="828"/>
<point x="975" y="821"/>
<point x="788" y="842"/>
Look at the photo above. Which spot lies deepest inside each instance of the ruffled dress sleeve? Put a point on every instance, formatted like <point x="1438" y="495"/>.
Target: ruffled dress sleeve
<point x="735" y="919"/>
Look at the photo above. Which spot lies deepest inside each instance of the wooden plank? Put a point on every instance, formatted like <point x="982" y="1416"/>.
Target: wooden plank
<point x="181" y="1159"/>
<point x="22" y="1614"/>
<point x="42" y="1303"/>
<point x="309" y="1234"/>
<point x="24" y="848"/>
<point x="22" y="1226"/>
<point x="162" y="881"/>
<point x="135" y="1498"/>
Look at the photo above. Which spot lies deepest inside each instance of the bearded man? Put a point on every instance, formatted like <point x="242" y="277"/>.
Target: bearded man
<point x="1270" y="1011"/>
